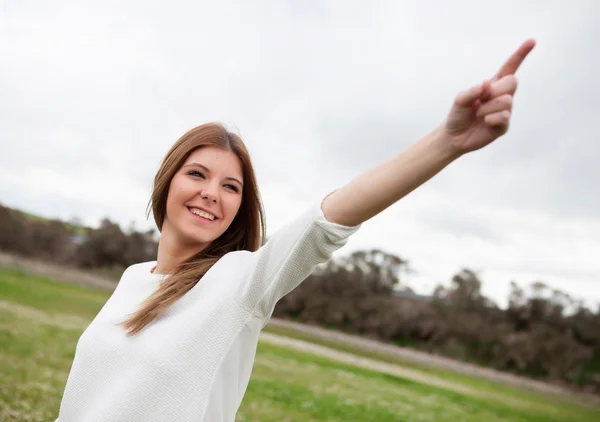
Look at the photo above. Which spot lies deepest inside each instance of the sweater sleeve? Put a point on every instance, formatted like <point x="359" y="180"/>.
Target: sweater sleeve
<point x="289" y="256"/>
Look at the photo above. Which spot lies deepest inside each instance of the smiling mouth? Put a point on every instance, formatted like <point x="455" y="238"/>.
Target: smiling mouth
<point x="202" y="216"/>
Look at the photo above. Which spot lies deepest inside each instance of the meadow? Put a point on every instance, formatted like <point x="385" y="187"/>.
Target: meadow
<point x="41" y="321"/>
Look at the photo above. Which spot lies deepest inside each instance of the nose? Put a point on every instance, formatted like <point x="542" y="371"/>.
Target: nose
<point x="205" y="194"/>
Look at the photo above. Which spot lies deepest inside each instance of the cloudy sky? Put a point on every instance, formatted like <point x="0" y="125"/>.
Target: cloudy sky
<point x="92" y="95"/>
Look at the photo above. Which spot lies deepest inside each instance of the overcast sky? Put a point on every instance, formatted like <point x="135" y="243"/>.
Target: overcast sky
<point x="92" y="95"/>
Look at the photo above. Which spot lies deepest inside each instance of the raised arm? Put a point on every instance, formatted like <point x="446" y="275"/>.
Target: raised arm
<point x="478" y="116"/>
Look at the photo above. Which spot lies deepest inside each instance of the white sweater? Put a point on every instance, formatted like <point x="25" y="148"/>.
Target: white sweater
<point x="194" y="362"/>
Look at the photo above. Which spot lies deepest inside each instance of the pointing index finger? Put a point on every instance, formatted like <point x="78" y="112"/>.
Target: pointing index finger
<point x="512" y="64"/>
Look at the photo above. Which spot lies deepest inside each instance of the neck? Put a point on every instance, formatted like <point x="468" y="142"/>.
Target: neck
<point x="171" y="253"/>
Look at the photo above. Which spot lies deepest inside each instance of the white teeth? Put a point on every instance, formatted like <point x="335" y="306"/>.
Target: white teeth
<point x="202" y="214"/>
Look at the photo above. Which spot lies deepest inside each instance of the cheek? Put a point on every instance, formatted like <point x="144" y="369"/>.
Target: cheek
<point x="174" y="201"/>
<point x="180" y="191"/>
<point x="171" y="198"/>
<point x="233" y="207"/>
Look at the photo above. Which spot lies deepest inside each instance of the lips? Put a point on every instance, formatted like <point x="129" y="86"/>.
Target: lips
<point x="203" y="220"/>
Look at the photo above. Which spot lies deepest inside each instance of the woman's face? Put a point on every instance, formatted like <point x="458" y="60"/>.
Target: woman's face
<point x="204" y="197"/>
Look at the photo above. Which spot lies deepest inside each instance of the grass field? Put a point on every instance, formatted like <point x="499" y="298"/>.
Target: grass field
<point x="41" y="320"/>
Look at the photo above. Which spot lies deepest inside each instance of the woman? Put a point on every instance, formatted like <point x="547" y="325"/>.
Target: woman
<point x="176" y="340"/>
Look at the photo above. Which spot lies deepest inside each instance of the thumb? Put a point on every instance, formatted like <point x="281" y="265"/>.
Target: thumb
<point x="468" y="97"/>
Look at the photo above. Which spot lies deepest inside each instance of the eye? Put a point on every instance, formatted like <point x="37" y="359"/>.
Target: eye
<point x="232" y="187"/>
<point x="196" y="174"/>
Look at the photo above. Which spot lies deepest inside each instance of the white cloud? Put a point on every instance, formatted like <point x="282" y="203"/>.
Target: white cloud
<point x="95" y="94"/>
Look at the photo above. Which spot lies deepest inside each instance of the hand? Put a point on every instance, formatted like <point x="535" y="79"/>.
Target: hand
<point x="482" y="113"/>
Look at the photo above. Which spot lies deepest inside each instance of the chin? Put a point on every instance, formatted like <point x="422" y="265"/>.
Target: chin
<point x="192" y="240"/>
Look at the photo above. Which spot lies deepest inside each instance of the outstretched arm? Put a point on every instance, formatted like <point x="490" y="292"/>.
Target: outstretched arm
<point x="478" y="116"/>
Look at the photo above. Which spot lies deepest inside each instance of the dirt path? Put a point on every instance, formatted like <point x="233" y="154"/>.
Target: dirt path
<point x="428" y="360"/>
<point x="56" y="272"/>
<point x="401" y="371"/>
<point x="365" y="363"/>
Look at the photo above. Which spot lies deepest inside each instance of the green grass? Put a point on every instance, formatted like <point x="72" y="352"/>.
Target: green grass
<point x="41" y="320"/>
<point x="447" y="375"/>
<point x="49" y="296"/>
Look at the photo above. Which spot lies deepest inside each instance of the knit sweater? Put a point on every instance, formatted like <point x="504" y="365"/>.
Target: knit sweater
<point x="194" y="362"/>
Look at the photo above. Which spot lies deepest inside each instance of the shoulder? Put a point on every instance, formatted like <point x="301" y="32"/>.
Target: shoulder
<point x="138" y="270"/>
<point x="234" y="265"/>
<point x="140" y="267"/>
<point x="235" y="259"/>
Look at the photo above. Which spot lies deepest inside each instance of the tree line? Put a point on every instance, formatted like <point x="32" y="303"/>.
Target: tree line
<point x="104" y="247"/>
<point x="543" y="333"/>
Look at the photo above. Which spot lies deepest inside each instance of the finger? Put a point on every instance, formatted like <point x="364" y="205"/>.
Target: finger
<point x="506" y="85"/>
<point x="468" y="97"/>
<point x="476" y="106"/>
<point x="486" y="91"/>
<point x="503" y="102"/>
<point x="498" y="120"/>
<point x="512" y="64"/>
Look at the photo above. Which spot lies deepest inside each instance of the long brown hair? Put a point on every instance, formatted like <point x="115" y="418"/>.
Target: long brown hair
<point x="246" y="232"/>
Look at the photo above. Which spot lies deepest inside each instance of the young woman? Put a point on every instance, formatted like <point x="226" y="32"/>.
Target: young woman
<point x="176" y="341"/>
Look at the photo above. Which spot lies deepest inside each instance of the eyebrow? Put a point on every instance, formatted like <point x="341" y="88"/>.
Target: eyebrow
<point x="206" y="169"/>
